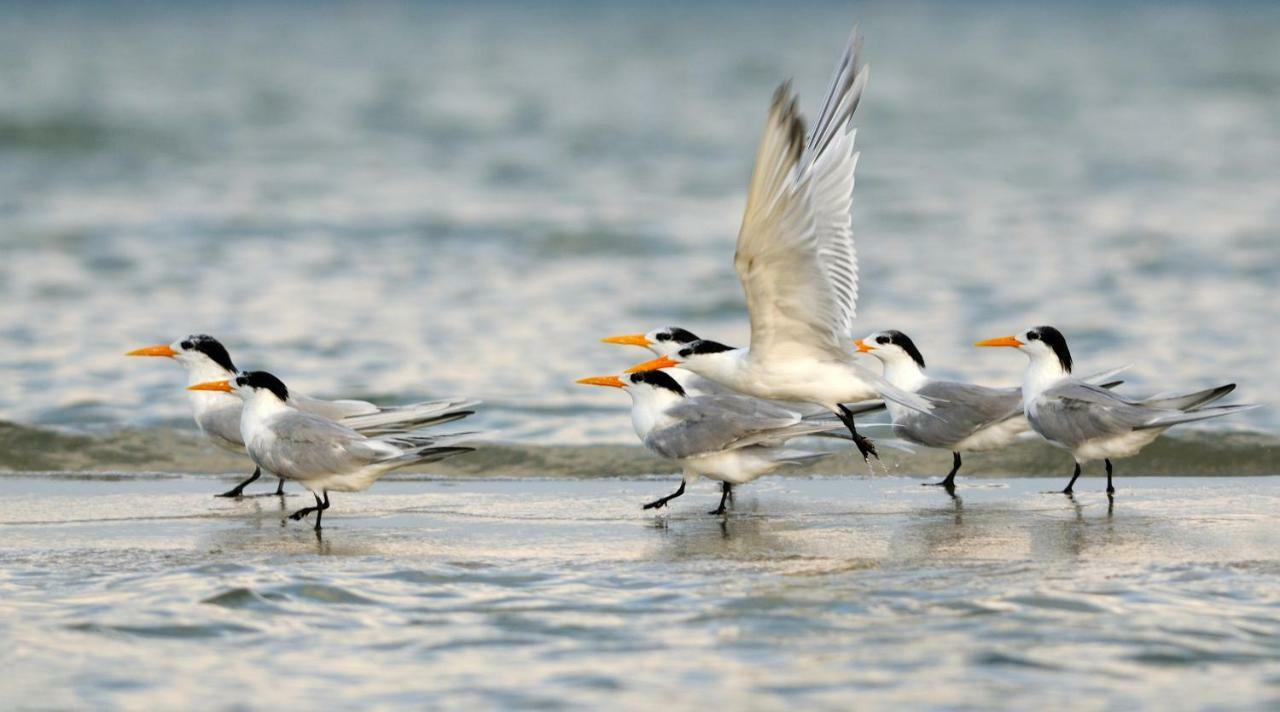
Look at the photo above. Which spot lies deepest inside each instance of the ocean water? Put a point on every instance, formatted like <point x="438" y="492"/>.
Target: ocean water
<point x="820" y="593"/>
<point x="399" y="201"/>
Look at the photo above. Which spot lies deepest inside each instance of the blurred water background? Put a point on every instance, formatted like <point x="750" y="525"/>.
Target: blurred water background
<point x="399" y="201"/>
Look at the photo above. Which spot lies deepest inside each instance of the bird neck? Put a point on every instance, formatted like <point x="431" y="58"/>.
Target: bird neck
<point x="648" y="409"/>
<point x="725" y="367"/>
<point x="1043" y="372"/>
<point x="203" y="371"/>
<point x="261" y="404"/>
<point x="905" y="374"/>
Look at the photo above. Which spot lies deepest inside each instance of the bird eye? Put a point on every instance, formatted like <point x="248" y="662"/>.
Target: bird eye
<point x="241" y="381"/>
<point x="185" y="345"/>
<point x="1033" y="335"/>
<point x="882" y="339"/>
<point x="663" y="336"/>
<point x="685" y="353"/>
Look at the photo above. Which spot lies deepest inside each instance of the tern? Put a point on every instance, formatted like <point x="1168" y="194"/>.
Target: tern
<point x="966" y="417"/>
<point x="727" y="437"/>
<point x="217" y="414"/>
<point x="318" y="453"/>
<point x="1091" y="422"/>
<point x="798" y="266"/>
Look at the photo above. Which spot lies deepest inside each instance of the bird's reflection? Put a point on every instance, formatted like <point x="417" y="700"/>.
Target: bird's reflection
<point x="1078" y="534"/>
<point x="742" y="533"/>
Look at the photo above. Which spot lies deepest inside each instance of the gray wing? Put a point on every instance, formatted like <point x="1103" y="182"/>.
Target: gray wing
<point x="305" y="446"/>
<point x="1074" y="412"/>
<point x="222" y="426"/>
<point x="712" y="423"/>
<point x="333" y="410"/>
<point x="959" y="410"/>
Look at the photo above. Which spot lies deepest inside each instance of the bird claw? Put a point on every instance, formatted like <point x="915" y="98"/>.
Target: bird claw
<point x="866" y="447"/>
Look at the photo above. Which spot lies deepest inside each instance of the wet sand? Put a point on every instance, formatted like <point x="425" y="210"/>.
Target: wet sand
<point x="820" y="592"/>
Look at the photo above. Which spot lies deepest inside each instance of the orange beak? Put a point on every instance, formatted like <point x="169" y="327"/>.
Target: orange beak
<point x="629" y="340"/>
<point x="862" y="346"/>
<point x="1001" y="341"/>
<point x="161" y="350"/>
<point x="654" y="365"/>
<point x="611" y="381"/>
<point x="224" y="386"/>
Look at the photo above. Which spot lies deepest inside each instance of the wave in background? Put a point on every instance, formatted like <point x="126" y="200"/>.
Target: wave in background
<point x="163" y="450"/>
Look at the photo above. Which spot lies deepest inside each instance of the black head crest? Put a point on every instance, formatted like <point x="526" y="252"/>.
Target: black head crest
<point x="210" y="347"/>
<point x="262" y="379"/>
<point x="676" y="334"/>
<point x="703" y="346"/>
<point x="906" y="344"/>
<point x="657" y="379"/>
<point x="1054" y="340"/>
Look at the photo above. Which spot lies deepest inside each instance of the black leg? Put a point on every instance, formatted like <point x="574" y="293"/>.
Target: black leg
<point x="1072" y="483"/>
<point x="1110" y="490"/>
<point x="320" y="509"/>
<point x="280" y="488"/>
<point x="662" y="501"/>
<point x="238" y="490"/>
<point x="865" y="446"/>
<point x="726" y="491"/>
<point x="950" y="481"/>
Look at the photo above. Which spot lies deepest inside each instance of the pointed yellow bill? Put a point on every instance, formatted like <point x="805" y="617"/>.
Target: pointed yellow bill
<point x="629" y="340"/>
<point x="160" y="350"/>
<point x="862" y="346"/>
<point x="655" y="364"/>
<point x="224" y="386"/>
<point x="1001" y="341"/>
<point x="611" y="381"/>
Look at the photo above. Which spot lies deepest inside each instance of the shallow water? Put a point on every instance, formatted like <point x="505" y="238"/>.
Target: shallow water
<point x="818" y="592"/>
<point x="404" y="201"/>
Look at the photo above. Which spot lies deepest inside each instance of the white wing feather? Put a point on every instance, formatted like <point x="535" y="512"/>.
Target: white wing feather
<point x="796" y="256"/>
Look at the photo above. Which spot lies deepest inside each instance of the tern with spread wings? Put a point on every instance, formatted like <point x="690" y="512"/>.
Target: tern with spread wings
<point x="798" y="267"/>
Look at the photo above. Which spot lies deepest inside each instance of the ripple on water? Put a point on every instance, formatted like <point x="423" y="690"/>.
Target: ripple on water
<point x="169" y="630"/>
<point x="495" y="578"/>
<point x="243" y="599"/>
<point x="322" y="593"/>
<point x="1074" y="604"/>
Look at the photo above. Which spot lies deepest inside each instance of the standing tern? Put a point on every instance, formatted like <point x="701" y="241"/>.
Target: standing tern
<point x="1092" y="422"/>
<point x="318" y="453"/>
<point x="798" y="267"/>
<point x="727" y="437"/>
<point x="217" y="414"/>
<point x="966" y="417"/>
